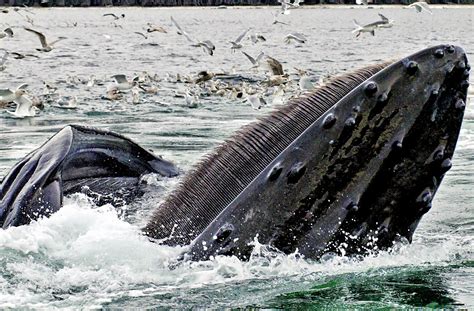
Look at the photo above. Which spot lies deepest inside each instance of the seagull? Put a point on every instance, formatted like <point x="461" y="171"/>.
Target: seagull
<point x="153" y="28"/>
<point x="122" y="84"/>
<point x="207" y="45"/>
<point x="296" y="3"/>
<point x="191" y="100"/>
<point x="114" y="16"/>
<point x="50" y="87"/>
<point x="45" y="46"/>
<point x="204" y="76"/>
<point x="275" y="19"/>
<point x="305" y="82"/>
<point x="296" y="36"/>
<point x="113" y="94"/>
<point x="256" y="101"/>
<point x="135" y="95"/>
<point x="66" y="102"/>
<point x="255" y="61"/>
<point x="285" y="7"/>
<point x="24" y="106"/>
<point x="366" y="28"/>
<point x="273" y="66"/>
<point x="17" y="55"/>
<point x="421" y="6"/>
<point x="237" y="43"/>
<point x="153" y="89"/>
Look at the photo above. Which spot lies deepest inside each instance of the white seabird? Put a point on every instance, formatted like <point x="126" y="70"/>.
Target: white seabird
<point x="24" y="106"/>
<point x="66" y="102"/>
<point x="122" y="84"/>
<point x="45" y="46"/>
<point x="256" y="101"/>
<point x="255" y="61"/>
<point x="421" y="6"/>
<point x="236" y="44"/>
<point x="206" y="45"/>
<point x="295" y="36"/>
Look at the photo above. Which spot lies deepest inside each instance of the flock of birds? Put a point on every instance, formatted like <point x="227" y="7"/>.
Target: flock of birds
<point x="21" y="103"/>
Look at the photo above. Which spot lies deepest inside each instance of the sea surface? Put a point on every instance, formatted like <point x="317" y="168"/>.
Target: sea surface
<point x="86" y="256"/>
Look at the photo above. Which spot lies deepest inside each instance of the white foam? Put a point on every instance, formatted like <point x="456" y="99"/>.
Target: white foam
<point x="86" y="255"/>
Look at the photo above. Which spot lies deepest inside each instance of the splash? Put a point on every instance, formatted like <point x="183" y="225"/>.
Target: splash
<point x="87" y="255"/>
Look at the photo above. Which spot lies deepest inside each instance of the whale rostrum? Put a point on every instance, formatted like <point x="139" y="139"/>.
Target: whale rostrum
<point x="348" y="168"/>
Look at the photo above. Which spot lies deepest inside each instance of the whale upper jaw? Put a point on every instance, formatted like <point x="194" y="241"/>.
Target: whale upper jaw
<point x="362" y="175"/>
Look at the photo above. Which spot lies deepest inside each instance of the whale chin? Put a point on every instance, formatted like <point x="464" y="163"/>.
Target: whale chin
<point x="350" y="167"/>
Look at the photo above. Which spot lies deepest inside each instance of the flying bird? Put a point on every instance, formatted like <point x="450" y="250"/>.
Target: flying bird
<point x="295" y="36"/>
<point x="255" y="61"/>
<point x="114" y="16"/>
<point x="206" y="45"/>
<point x="154" y="28"/>
<point x="421" y="6"/>
<point x="45" y="46"/>
<point x="236" y="44"/>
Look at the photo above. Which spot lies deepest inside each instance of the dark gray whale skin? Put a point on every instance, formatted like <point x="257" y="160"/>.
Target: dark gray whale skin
<point x="76" y="158"/>
<point x="362" y="175"/>
<point x="358" y="178"/>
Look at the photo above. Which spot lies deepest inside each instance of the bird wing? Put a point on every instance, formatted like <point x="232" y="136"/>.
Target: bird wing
<point x="23" y="86"/>
<point x="383" y="18"/>
<point x="139" y="33"/>
<point x="250" y="58"/>
<point x="207" y="49"/>
<point x="299" y="36"/>
<point x="23" y="105"/>
<point x="9" y="32"/>
<point x="111" y="14"/>
<point x="275" y="66"/>
<point x="242" y="35"/>
<point x="181" y="31"/>
<point x="424" y="6"/>
<point x="42" y="37"/>
<point x="189" y="38"/>
<point x="209" y="44"/>
<point x="57" y="40"/>
<point x="120" y="78"/>
<point x="259" y="57"/>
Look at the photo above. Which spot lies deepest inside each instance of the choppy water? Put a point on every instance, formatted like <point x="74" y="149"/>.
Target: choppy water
<point x="85" y="256"/>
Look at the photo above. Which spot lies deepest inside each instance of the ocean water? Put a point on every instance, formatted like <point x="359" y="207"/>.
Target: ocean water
<point x="86" y="256"/>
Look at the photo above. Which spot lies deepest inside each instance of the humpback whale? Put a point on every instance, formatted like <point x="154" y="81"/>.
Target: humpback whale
<point x="348" y="168"/>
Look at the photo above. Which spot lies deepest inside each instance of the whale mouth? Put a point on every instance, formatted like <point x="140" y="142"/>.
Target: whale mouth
<point x="77" y="158"/>
<point x="349" y="168"/>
